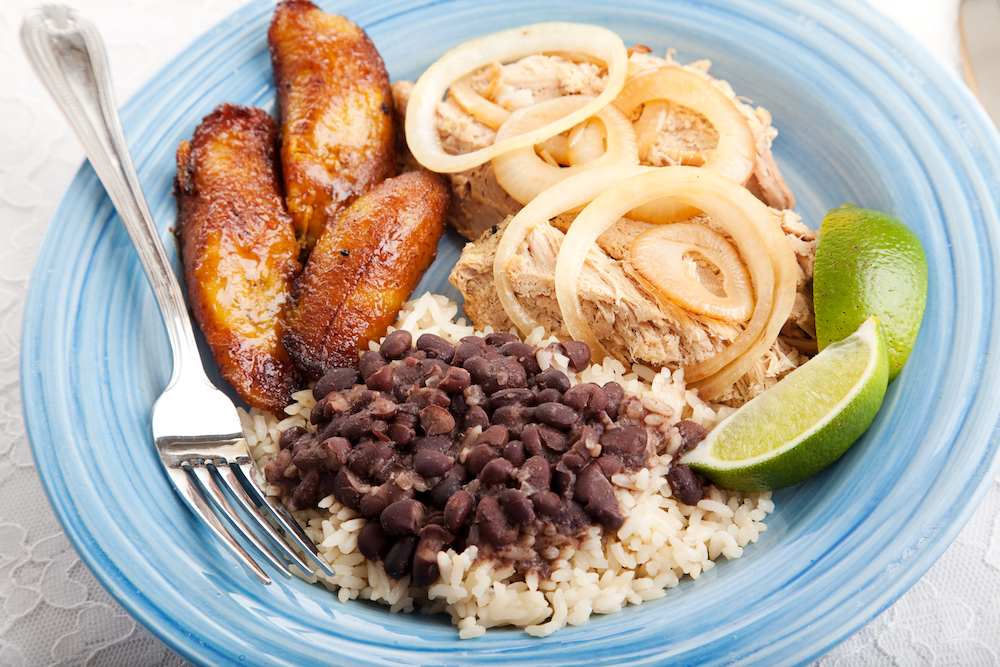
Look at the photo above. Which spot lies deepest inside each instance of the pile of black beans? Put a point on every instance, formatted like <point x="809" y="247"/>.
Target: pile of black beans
<point x="444" y="446"/>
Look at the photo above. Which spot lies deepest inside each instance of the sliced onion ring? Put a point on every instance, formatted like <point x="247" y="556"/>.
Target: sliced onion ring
<point x="565" y="196"/>
<point x="485" y="111"/>
<point x="735" y="154"/>
<point x="771" y="261"/>
<point x="507" y="46"/>
<point x="524" y="175"/>
<point x="657" y="256"/>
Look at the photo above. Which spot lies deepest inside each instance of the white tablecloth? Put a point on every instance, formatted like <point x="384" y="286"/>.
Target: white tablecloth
<point x="53" y="611"/>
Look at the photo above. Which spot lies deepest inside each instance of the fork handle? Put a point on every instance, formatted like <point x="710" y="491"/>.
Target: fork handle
<point x="68" y="55"/>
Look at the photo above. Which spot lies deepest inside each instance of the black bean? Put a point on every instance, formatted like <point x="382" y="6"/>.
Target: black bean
<point x="552" y="439"/>
<point x="433" y="370"/>
<point x="513" y="417"/>
<point x="517" y="507"/>
<point x="333" y="452"/>
<point x="532" y="441"/>
<point x="373" y="504"/>
<point x="372" y="541"/>
<point x="627" y="443"/>
<point x="431" y="463"/>
<point x="517" y="396"/>
<point x="465" y="351"/>
<point x="399" y="559"/>
<point x="382" y="407"/>
<point x="578" y="353"/>
<point x="478" y="457"/>
<point x="496" y="472"/>
<point x="478" y="369"/>
<point x="496" y="373"/>
<point x="535" y="475"/>
<point x="380" y="380"/>
<point x="458" y="406"/>
<point x="306" y="494"/>
<point x="403" y="517"/>
<point x="338" y="379"/>
<point x="495" y="436"/>
<point x="548" y="396"/>
<point x="546" y="503"/>
<point x="562" y="479"/>
<point x="407" y="414"/>
<point x="274" y="470"/>
<point x="556" y="415"/>
<point x="493" y="524"/>
<point x="577" y="458"/>
<point x="524" y="353"/>
<point x="438" y="442"/>
<point x="598" y="496"/>
<point x="401" y="434"/>
<point x="435" y="420"/>
<point x="368" y="457"/>
<point x="356" y="426"/>
<point x="475" y="416"/>
<point x="458" y="509"/>
<point x="289" y="436"/>
<point x="455" y="380"/>
<point x="614" y="393"/>
<point x="588" y="399"/>
<point x="424" y="396"/>
<point x="425" y="566"/>
<point x="369" y="363"/>
<point x="436" y="347"/>
<point x="552" y="379"/>
<point x="404" y="377"/>
<point x="304" y="457"/>
<point x="691" y="434"/>
<point x="445" y="489"/>
<point x="685" y="485"/>
<point x="609" y="465"/>
<point x="501" y="338"/>
<point x="513" y="451"/>
<point x="348" y="489"/>
<point x="396" y="344"/>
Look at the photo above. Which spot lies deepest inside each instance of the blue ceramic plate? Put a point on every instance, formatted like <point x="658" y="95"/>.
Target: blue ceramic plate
<point x="864" y="115"/>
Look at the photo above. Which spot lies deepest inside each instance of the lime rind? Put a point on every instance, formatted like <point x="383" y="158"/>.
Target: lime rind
<point x="814" y="448"/>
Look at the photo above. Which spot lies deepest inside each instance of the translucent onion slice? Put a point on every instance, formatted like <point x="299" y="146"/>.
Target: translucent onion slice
<point x="736" y="152"/>
<point x="658" y="257"/>
<point x="587" y="142"/>
<point x="507" y="46"/>
<point x="770" y="259"/>
<point x="524" y="175"/>
<point x="565" y="196"/>
<point x="485" y="111"/>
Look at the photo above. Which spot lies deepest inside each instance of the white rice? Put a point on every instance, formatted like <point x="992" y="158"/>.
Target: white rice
<point x="661" y="541"/>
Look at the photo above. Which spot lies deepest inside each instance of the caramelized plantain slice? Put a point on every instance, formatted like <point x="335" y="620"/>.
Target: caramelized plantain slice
<point x="363" y="269"/>
<point x="239" y="250"/>
<point x="338" y="139"/>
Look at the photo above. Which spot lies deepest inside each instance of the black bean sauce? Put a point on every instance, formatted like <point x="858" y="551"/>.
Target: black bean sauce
<point x="444" y="446"/>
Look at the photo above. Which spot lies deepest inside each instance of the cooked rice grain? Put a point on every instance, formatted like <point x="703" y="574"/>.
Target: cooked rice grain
<point x="661" y="541"/>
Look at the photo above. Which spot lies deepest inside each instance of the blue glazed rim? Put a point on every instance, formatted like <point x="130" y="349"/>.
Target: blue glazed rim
<point x="907" y="138"/>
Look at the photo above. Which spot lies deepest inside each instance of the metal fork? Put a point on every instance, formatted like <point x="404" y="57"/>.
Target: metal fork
<point x="195" y="426"/>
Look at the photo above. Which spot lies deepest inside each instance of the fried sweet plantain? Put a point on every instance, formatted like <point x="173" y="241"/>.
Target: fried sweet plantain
<point x="239" y="250"/>
<point x="363" y="269"/>
<point x="338" y="139"/>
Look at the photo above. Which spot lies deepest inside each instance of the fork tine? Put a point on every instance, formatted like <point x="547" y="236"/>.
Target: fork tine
<point x="187" y="490"/>
<point x="232" y="483"/>
<point x="206" y="479"/>
<point x="289" y="525"/>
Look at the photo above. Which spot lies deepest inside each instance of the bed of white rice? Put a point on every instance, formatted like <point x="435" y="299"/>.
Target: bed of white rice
<point x="661" y="541"/>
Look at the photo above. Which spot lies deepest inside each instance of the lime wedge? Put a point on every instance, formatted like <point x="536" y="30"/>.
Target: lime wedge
<point x="803" y="423"/>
